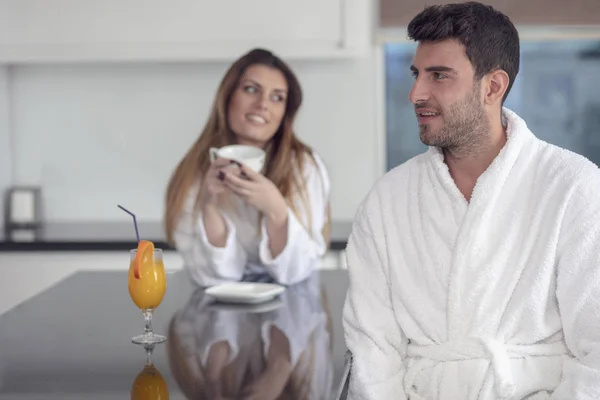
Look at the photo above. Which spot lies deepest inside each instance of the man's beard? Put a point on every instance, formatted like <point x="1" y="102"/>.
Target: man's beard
<point x="465" y="126"/>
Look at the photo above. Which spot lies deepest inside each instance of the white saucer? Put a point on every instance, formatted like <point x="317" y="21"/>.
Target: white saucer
<point x="245" y="292"/>
<point x="259" y="308"/>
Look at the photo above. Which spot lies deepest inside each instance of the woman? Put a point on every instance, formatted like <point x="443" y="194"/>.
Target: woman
<point x="230" y="222"/>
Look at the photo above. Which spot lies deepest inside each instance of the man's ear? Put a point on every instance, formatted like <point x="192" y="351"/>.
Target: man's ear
<point x="496" y="85"/>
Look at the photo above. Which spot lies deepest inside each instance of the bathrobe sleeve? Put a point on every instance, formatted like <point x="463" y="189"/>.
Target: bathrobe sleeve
<point x="578" y="290"/>
<point x="372" y="333"/>
<point x="304" y="249"/>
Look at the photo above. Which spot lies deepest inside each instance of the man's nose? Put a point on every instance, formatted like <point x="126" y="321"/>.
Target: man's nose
<point x="419" y="92"/>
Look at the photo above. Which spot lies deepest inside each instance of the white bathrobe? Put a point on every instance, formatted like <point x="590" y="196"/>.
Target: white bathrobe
<point x="498" y="298"/>
<point x="247" y="246"/>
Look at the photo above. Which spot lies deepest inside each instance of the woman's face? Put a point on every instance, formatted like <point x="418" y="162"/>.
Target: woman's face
<point x="257" y="105"/>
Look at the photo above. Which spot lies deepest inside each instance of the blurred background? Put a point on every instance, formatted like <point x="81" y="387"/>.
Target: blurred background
<point x="100" y="100"/>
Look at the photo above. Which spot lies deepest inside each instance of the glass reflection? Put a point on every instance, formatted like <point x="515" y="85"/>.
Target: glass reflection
<point x="149" y="383"/>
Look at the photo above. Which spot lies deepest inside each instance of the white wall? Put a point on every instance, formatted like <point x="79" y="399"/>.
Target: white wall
<point x="96" y="134"/>
<point x="100" y="134"/>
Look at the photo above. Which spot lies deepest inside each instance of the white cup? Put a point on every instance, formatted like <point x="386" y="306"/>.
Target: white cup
<point x="251" y="156"/>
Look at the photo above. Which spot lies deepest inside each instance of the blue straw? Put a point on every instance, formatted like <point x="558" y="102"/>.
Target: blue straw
<point x="134" y="221"/>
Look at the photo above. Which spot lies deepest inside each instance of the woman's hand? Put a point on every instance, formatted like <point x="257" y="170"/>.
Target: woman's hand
<point x="212" y="186"/>
<point x="257" y="190"/>
<point x="213" y="183"/>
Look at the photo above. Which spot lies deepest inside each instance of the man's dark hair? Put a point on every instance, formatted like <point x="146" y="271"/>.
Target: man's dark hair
<point x="490" y="38"/>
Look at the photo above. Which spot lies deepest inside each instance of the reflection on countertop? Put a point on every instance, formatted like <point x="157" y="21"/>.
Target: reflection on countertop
<point x="278" y="350"/>
<point x="108" y="236"/>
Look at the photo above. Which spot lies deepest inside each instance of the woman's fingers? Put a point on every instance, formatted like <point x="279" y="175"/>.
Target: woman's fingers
<point x="220" y="163"/>
<point x="242" y="192"/>
<point x="226" y="174"/>
<point x="251" y="174"/>
<point x="235" y="181"/>
<point x="239" y="186"/>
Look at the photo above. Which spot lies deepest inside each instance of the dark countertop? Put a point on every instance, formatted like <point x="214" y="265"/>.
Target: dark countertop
<point x="106" y="236"/>
<point x="73" y="340"/>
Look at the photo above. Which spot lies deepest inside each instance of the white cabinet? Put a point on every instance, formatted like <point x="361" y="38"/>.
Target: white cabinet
<point x="177" y="30"/>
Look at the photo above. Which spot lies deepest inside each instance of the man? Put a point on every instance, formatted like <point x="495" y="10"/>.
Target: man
<point x="475" y="266"/>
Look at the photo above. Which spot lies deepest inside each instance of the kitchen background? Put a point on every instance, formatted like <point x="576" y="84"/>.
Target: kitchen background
<point x="100" y="100"/>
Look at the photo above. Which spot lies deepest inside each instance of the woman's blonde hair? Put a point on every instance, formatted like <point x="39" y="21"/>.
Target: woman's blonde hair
<point x="285" y="152"/>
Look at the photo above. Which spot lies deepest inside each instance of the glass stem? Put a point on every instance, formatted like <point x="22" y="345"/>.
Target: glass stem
<point x="148" y="322"/>
<point x="149" y="348"/>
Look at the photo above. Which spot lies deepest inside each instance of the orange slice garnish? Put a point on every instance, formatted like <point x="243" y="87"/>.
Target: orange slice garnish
<point x="144" y="256"/>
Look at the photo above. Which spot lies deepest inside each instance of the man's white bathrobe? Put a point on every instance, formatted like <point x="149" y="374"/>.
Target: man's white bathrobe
<point x="498" y="298"/>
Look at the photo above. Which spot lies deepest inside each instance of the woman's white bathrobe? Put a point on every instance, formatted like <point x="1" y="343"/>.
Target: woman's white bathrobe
<point x="498" y="298"/>
<point x="246" y="250"/>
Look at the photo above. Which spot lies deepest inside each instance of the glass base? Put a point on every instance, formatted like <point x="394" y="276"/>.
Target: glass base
<point x="148" y="338"/>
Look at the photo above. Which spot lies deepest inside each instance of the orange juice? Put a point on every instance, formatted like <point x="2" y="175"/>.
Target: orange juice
<point x="148" y="290"/>
<point x="149" y="385"/>
<point x="147" y="284"/>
